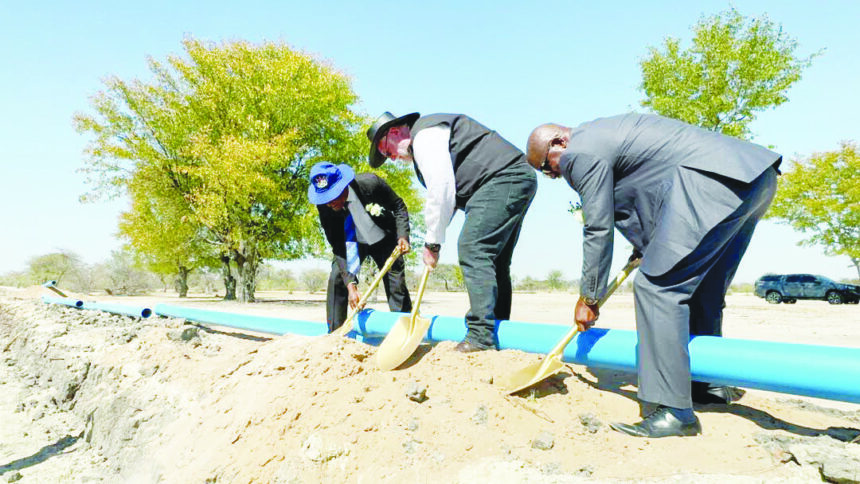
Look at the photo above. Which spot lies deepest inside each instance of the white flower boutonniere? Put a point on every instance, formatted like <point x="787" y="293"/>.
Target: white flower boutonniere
<point x="373" y="209"/>
<point x="576" y="210"/>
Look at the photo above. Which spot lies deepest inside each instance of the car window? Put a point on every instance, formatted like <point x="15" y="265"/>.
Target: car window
<point x="768" y="278"/>
<point x="794" y="278"/>
<point x="808" y="279"/>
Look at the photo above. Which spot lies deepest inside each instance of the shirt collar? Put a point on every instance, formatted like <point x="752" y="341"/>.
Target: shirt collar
<point x="351" y="196"/>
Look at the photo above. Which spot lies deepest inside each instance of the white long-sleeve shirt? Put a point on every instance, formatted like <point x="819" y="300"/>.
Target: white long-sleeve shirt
<point x="430" y="152"/>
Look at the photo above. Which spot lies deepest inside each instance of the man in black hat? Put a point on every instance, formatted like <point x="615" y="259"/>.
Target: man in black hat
<point x="465" y="165"/>
<point x="361" y="215"/>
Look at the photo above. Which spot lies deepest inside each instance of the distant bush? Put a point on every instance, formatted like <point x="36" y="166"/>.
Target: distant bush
<point x="15" y="279"/>
<point x="741" y="288"/>
<point x="271" y="279"/>
<point x="314" y="280"/>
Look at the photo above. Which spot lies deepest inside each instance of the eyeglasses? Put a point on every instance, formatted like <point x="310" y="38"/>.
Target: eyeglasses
<point x="544" y="167"/>
<point x="383" y="145"/>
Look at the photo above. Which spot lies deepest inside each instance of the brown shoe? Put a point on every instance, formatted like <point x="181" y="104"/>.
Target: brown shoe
<point x="466" y="347"/>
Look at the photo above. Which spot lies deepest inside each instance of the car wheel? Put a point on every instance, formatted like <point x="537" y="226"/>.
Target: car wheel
<point x="773" y="297"/>
<point x="790" y="301"/>
<point x="834" y="297"/>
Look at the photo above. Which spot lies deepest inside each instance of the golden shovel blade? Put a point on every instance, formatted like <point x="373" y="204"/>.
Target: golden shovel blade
<point x="401" y="342"/>
<point x="406" y="334"/>
<point x="532" y="374"/>
<point x="552" y="363"/>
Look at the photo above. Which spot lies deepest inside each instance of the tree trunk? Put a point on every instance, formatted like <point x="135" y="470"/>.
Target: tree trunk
<point x="182" y="281"/>
<point x="856" y="263"/>
<point x="229" y="280"/>
<point x="247" y="265"/>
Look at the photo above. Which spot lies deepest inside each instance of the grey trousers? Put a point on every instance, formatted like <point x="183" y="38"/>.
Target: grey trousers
<point x="337" y="301"/>
<point x="494" y="218"/>
<point x="690" y="297"/>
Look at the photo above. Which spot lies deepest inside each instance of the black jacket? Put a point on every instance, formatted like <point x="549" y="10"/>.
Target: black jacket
<point x="394" y="219"/>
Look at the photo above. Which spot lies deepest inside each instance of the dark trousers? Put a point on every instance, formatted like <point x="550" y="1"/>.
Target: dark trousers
<point x="337" y="301"/>
<point x="689" y="299"/>
<point x="494" y="218"/>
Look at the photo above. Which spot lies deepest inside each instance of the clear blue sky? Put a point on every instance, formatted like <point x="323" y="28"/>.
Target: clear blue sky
<point x="511" y="65"/>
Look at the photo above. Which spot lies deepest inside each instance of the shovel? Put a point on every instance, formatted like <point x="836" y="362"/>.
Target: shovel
<point x="406" y="334"/>
<point x="348" y="324"/>
<point x="552" y="364"/>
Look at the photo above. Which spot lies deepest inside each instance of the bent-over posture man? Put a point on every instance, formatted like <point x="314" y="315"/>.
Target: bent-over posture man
<point x="360" y="215"/>
<point x="465" y="165"/>
<point x="688" y="200"/>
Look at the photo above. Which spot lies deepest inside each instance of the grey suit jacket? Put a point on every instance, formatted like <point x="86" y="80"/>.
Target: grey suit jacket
<point x="633" y="172"/>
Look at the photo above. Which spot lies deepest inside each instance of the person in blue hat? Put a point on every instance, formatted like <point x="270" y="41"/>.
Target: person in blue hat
<point x="361" y="216"/>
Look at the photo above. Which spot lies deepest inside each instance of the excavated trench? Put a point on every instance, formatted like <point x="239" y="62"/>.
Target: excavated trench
<point x="90" y="396"/>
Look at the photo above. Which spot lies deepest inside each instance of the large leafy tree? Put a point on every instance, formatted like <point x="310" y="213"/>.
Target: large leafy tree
<point x="232" y="130"/>
<point x="820" y="197"/>
<point x="735" y="68"/>
<point x="160" y="232"/>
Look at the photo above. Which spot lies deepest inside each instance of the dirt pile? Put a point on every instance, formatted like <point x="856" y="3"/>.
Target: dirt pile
<point x="159" y="400"/>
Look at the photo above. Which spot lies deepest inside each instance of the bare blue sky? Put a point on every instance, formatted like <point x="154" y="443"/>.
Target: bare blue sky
<point x="511" y="65"/>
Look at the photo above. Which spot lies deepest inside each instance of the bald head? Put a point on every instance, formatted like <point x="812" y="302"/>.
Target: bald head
<point x="539" y="142"/>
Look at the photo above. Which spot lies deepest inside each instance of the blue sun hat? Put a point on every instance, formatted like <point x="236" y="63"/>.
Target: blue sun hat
<point x="328" y="181"/>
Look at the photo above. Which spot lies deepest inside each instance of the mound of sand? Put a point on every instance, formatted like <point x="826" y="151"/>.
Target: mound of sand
<point x="159" y="400"/>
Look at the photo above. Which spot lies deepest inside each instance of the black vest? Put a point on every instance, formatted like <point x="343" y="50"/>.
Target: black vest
<point x="477" y="152"/>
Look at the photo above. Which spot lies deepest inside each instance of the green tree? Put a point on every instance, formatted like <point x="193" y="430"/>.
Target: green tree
<point x="314" y="280"/>
<point x="530" y="284"/>
<point x="555" y="280"/>
<point x="735" y="68"/>
<point x="161" y="235"/>
<point x="233" y="129"/>
<point x="450" y="275"/>
<point x="820" y="196"/>
<point x="52" y="267"/>
<point x="273" y="278"/>
<point x="121" y="276"/>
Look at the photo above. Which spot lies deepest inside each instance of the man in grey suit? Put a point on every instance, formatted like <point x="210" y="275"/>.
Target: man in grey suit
<point x="688" y="200"/>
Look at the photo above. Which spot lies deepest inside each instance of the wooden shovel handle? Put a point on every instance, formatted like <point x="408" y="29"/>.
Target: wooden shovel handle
<point x="619" y="279"/>
<point x="348" y="324"/>
<point x="420" y="295"/>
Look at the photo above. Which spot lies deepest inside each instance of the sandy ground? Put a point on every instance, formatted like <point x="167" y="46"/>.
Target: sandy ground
<point x="92" y="397"/>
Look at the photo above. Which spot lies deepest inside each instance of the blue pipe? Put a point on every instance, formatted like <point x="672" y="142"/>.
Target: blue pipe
<point x="65" y="301"/>
<point x="817" y="371"/>
<point x="829" y="372"/>
<point x="134" y="311"/>
<point x="251" y="322"/>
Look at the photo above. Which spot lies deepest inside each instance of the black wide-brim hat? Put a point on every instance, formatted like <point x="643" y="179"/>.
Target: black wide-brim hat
<point x="378" y="129"/>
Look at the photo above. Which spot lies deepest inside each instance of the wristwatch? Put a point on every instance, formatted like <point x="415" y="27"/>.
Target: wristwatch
<point x="433" y="247"/>
<point x="590" y="301"/>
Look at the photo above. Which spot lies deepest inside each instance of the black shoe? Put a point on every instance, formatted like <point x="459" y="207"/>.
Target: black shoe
<point x="661" y="423"/>
<point x="647" y="408"/>
<point x="466" y="347"/>
<point x="705" y="393"/>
